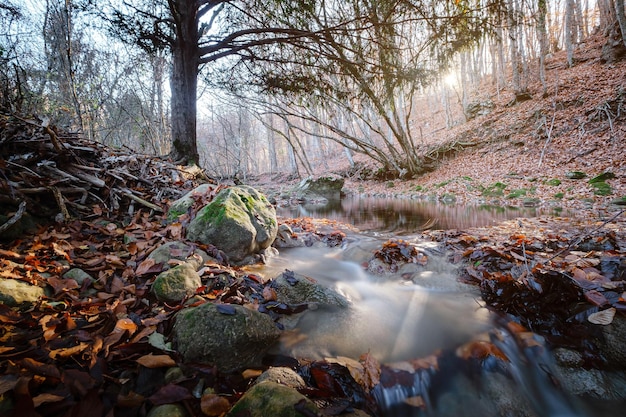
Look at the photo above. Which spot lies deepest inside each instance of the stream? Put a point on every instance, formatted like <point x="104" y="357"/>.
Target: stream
<point x="398" y="320"/>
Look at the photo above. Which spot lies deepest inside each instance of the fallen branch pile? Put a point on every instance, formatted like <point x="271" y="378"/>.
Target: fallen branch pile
<point x="54" y="174"/>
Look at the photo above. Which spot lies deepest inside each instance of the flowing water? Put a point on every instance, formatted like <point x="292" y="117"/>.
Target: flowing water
<point x="399" y="320"/>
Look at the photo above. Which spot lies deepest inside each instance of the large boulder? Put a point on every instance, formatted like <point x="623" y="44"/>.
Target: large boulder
<point x="225" y="335"/>
<point x="328" y="187"/>
<point x="240" y="221"/>
<point x="182" y="205"/>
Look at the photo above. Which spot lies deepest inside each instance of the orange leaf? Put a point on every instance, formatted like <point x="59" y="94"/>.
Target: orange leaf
<point x="156" y="361"/>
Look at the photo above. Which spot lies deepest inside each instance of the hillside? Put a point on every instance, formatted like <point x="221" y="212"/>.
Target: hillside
<point x="517" y="149"/>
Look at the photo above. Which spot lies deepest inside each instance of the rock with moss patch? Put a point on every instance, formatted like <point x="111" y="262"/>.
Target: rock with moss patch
<point x="282" y="375"/>
<point x="175" y="284"/>
<point x="272" y="399"/>
<point x="225" y="335"/>
<point x="240" y="221"/>
<point x="328" y="187"/>
<point x="182" y="205"/>
<point x="293" y="288"/>
<point x="15" y="293"/>
<point x="178" y="251"/>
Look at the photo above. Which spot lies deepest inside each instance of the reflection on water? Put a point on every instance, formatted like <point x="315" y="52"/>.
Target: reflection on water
<point x="391" y="319"/>
<point x="406" y="216"/>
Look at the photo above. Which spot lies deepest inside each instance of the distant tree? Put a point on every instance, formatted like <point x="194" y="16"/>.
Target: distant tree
<point x="364" y="73"/>
<point x="199" y="32"/>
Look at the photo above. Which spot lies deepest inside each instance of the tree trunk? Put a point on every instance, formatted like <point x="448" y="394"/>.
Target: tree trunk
<point x="621" y="18"/>
<point x="569" y="31"/>
<point x="184" y="81"/>
<point x="542" y="34"/>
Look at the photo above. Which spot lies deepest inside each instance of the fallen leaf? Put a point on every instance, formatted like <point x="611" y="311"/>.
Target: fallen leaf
<point x="156" y="361"/>
<point x="213" y="405"/>
<point x="603" y="317"/>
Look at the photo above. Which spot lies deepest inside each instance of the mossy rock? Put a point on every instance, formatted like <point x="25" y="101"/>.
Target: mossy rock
<point x="494" y="190"/>
<point x="240" y="221"/>
<point x="517" y="193"/>
<point x="182" y="205"/>
<point x="602" y="177"/>
<point x="575" y="175"/>
<point x="228" y="336"/>
<point x="272" y="399"/>
<point x="554" y="182"/>
<point x="177" y="283"/>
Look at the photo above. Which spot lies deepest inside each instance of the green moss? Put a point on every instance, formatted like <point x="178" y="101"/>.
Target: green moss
<point x="517" y="193"/>
<point x="554" y="182"/>
<point x="601" y="188"/>
<point x="558" y="196"/>
<point x="466" y="178"/>
<point x="420" y="188"/>
<point x="442" y="184"/>
<point x="390" y="184"/>
<point x="602" y="177"/>
<point x="494" y="190"/>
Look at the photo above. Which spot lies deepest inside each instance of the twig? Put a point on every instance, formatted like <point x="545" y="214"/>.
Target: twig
<point x="60" y="202"/>
<point x="132" y="196"/>
<point x="18" y="215"/>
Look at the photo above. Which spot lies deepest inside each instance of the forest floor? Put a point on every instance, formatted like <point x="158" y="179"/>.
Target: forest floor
<point x="78" y="351"/>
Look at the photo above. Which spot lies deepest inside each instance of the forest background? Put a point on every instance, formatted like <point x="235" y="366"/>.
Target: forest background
<point x="247" y="87"/>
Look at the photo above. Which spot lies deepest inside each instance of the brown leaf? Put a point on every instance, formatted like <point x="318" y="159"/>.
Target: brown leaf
<point x="214" y="405"/>
<point x="156" y="361"/>
<point x="148" y="266"/>
<point x="170" y="393"/>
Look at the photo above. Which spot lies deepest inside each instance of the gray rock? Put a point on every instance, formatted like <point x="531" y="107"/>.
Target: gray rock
<point x="182" y="205"/>
<point x="328" y="186"/>
<point x="284" y="376"/>
<point x="168" y="410"/>
<point x="612" y="344"/>
<point x="177" y="283"/>
<point x="78" y="275"/>
<point x="285" y="238"/>
<point x="239" y="221"/>
<point x="15" y="293"/>
<point x="294" y="288"/>
<point x="228" y="336"/>
<point x="179" y="251"/>
<point x="272" y="399"/>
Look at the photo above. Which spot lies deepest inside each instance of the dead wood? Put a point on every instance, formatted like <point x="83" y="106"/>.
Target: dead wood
<point x="44" y="170"/>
